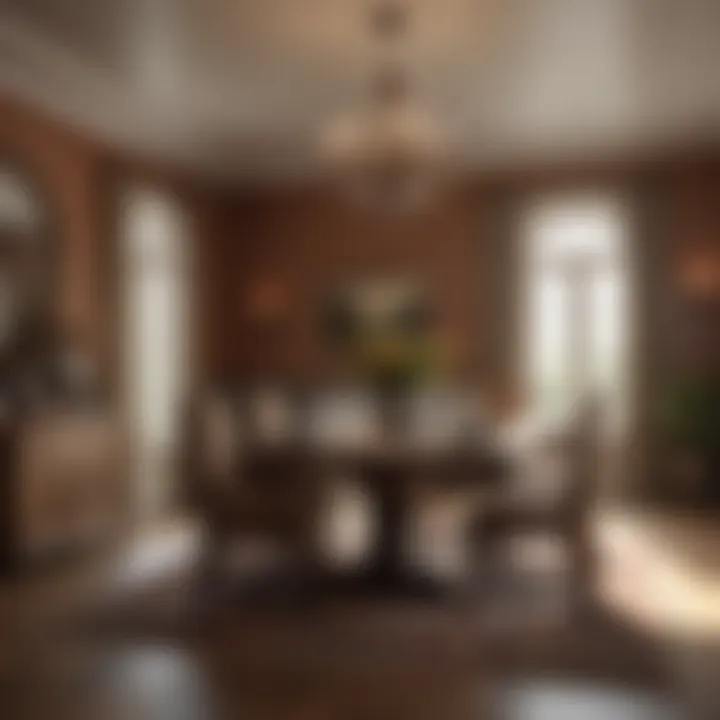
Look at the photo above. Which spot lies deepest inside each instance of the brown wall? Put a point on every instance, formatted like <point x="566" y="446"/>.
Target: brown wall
<point x="70" y="172"/>
<point x="302" y="243"/>
<point x="80" y="179"/>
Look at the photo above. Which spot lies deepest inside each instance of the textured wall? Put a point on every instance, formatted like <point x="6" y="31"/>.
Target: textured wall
<point x="70" y="172"/>
<point x="303" y="243"/>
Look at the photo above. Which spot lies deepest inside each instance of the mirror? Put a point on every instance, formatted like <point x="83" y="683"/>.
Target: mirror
<point x="25" y="273"/>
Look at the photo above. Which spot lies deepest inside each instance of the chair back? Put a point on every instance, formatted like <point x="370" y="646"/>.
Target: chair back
<point x="584" y="454"/>
<point x="557" y="470"/>
<point x="284" y="484"/>
<point x="211" y="447"/>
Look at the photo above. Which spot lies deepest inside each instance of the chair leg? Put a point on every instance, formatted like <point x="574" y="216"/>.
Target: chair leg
<point x="582" y="570"/>
<point x="486" y="543"/>
<point x="209" y="584"/>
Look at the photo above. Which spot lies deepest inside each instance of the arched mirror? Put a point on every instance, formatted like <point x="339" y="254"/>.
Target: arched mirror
<point x="25" y="275"/>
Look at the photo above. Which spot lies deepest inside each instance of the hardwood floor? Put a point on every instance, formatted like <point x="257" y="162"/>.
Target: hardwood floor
<point x="120" y="639"/>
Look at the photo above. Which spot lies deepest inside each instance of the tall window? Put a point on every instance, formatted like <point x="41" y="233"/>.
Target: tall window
<point x="576" y="310"/>
<point x="154" y="255"/>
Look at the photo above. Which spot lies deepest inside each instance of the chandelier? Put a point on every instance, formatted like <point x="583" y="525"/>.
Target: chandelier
<point x="386" y="153"/>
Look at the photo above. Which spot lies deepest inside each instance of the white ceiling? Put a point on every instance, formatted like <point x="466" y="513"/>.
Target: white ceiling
<point x="241" y="88"/>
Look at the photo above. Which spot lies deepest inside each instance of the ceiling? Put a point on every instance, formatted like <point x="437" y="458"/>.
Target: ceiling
<point x="240" y="89"/>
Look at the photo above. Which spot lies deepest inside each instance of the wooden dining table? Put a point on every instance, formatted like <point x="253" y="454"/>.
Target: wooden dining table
<point x="394" y="470"/>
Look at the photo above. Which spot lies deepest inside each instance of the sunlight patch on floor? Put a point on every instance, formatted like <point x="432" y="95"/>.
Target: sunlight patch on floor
<point x="661" y="582"/>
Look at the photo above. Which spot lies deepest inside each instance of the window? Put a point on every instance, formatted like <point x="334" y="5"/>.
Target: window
<point x="576" y="317"/>
<point x="156" y="318"/>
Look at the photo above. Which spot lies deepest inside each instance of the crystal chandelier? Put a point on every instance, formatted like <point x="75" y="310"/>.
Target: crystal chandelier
<point x="386" y="154"/>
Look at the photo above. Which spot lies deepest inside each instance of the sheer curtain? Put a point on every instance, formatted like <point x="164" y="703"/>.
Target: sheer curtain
<point x="577" y="305"/>
<point x="154" y="261"/>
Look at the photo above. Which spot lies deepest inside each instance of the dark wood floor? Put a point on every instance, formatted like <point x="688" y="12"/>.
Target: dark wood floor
<point x="101" y="643"/>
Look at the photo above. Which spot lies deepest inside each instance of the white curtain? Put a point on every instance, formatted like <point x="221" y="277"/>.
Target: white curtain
<point x="154" y="260"/>
<point x="577" y="312"/>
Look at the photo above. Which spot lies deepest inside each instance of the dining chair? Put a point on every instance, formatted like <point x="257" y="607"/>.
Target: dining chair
<point x="251" y="490"/>
<point x="449" y="494"/>
<point x="551" y="493"/>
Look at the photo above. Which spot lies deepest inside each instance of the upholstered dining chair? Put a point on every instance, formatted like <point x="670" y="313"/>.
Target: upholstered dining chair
<point x="447" y="499"/>
<point x="249" y="490"/>
<point x="552" y="493"/>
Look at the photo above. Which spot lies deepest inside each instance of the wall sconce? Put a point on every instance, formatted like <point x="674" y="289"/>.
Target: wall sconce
<point x="267" y="301"/>
<point x="700" y="273"/>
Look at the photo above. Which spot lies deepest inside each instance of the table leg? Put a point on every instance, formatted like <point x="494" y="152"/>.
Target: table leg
<point x="389" y="570"/>
<point x="387" y="489"/>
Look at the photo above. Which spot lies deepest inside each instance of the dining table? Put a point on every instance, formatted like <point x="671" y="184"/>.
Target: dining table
<point x="394" y="468"/>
